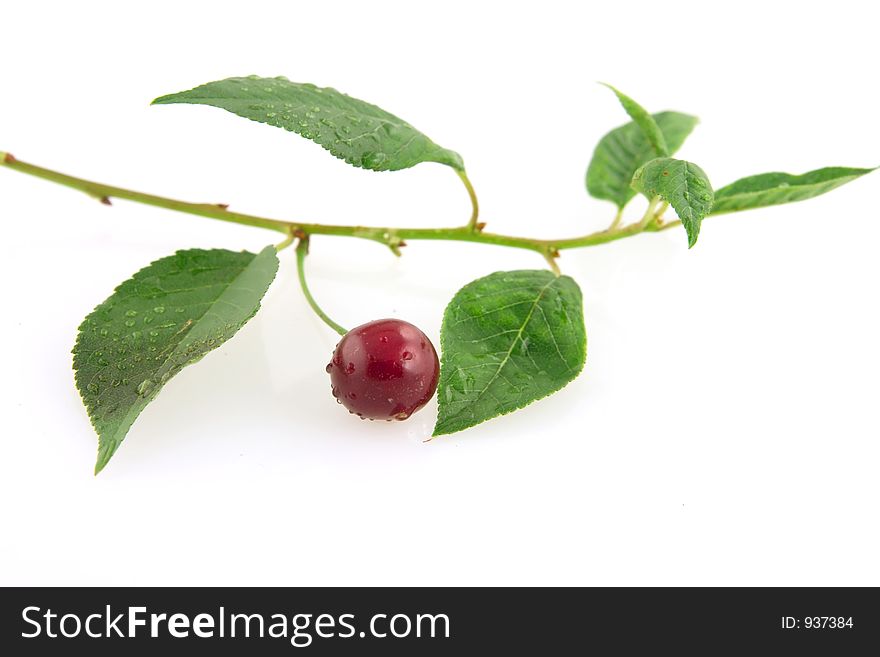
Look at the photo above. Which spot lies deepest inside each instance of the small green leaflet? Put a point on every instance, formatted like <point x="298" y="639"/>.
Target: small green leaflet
<point x="776" y="188"/>
<point x="623" y="150"/>
<point x="359" y="133"/>
<point x="645" y="121"/>
<point x="684" y="185"/>
<point x="168" y="315"/>
<point x="508" y="339"/>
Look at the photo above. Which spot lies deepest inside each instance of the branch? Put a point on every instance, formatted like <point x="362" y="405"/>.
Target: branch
<point x="393" y="238"/>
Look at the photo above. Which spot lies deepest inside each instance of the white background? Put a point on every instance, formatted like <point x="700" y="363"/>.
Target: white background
<point x="724" y="431"/>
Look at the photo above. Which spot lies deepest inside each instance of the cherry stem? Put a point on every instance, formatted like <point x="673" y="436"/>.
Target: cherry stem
<point x="302" y="250"/>
<point x="393" y="238"/>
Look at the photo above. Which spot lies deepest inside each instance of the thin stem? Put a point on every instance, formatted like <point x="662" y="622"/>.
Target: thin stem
<point x="617" y="219"/>
<point x="475" y="206"/>
<point x="106" y="192"/>
<point x="283" y="245"/>
<point x="664" y="225"/>
<point x="551" y="260"/>
<point x="393" y="238"/>
<point x="302" y="249"/>
<point x="658" y="213"/>
<point x="650" y="215"/>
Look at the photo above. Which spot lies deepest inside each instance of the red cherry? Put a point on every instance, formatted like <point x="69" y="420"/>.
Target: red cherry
<point x="383" y="370"/>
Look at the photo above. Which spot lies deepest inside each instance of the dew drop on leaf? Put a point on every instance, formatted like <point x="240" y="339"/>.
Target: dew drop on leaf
<point x="373" y="160"/>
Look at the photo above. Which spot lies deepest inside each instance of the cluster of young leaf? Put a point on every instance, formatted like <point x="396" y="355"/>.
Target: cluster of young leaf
<point x="636" y="157"/>
<point x="507" y="339"/>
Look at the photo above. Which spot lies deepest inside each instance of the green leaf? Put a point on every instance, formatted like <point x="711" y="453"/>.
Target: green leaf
<point x="623" y="150"/>
<point x="645" y="121"/>
<point x="776" y="188"/>
<point x="359" y="133"/>
<point x="508" y="339"/>
<point x="168" y="315"/>
<point x="684" y="185"/>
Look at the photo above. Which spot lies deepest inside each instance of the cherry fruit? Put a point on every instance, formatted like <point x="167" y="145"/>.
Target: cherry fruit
<point x="384" y="370"/>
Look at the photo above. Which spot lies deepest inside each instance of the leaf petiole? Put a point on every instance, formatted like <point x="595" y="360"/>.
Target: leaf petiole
<point x="475" y="206"/>
<point x="650" y="212"/>
<point x="550" y="257"/>
<point x="285" y="243"/>
<point x="658" y="213"/>
<point x="617" y="219"/>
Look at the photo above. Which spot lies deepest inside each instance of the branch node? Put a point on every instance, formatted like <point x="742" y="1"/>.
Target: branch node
<point x="222" y="206"/>
<point x="479" y="226"/>
<point x="105" y="200"/>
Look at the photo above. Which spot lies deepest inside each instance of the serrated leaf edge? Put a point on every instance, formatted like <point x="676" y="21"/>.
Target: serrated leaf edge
<point x="719" y="193"/>
<point x="107" y="448"/>
<point x="574" y="372"/>
<point x="692" y="228"/>
<point x="438" y="153"/>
